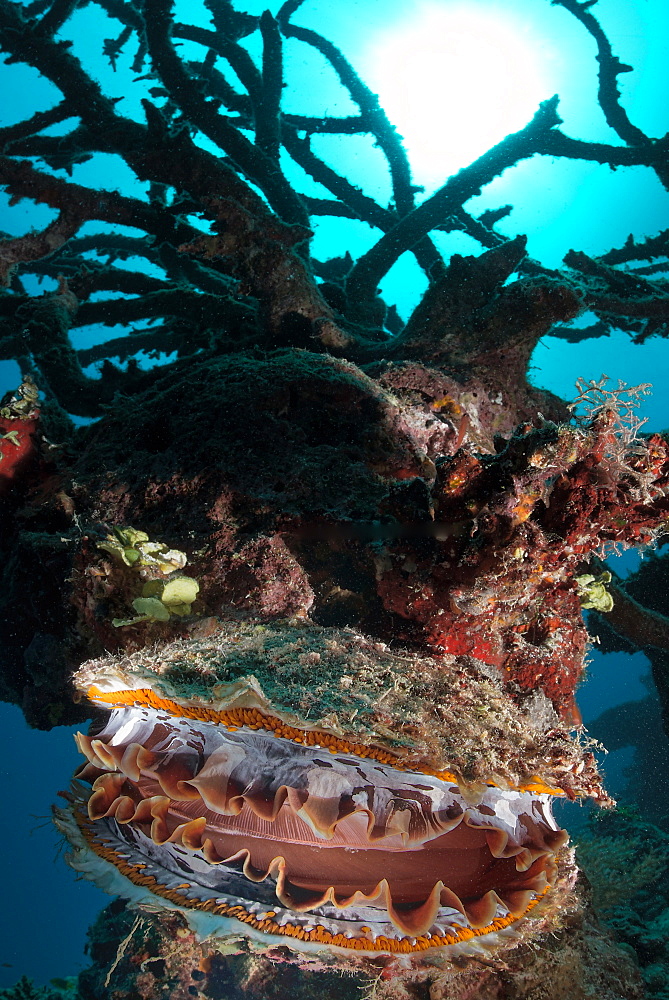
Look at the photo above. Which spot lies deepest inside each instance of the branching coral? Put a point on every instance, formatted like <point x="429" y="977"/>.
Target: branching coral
<point x="263" y="252"/>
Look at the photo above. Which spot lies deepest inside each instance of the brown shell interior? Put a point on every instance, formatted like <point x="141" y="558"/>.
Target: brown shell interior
<point x="316" y="845"/>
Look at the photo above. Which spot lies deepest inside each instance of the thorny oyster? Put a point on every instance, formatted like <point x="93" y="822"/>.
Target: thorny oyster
<point x="395" y="805"/>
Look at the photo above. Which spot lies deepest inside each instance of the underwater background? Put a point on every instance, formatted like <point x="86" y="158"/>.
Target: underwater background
<point x="518" y="53"/>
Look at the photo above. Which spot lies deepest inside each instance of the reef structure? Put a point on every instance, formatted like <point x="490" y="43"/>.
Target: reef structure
<point x="330" y="790"/>
<point x="207" y="788"/>
<point x="389" y="532"/>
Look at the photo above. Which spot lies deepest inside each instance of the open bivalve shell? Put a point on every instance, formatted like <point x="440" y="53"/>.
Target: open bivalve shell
<point x="327" y="815"/>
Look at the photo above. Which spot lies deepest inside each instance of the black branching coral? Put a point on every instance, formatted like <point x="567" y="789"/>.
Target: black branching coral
<point x="251" y="279"/>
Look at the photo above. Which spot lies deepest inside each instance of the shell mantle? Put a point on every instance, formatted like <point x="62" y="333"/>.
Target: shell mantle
<point x="437" y="714"/>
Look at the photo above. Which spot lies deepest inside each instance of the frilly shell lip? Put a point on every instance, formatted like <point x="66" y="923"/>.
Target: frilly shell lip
<point x="267" y="716"/>
<point x="263" y="929"/>
<point x="243" y="748"/>
<point x="427" y="713"/>
<point x="167" y="822"/>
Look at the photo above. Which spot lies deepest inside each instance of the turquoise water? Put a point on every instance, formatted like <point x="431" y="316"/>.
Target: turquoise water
<point x="559" y="205"/>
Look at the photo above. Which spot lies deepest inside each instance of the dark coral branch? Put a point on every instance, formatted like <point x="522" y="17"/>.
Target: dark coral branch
<point x="167" y="338"/>
<point x="70" y="261"/>
<point x="374" y="116"/>
<point x="623" y="296"/>
<point x="163" y="339"/>
<point x="114" y="46"/>
<point x="153" y="299"/>
<point x="54" y="19"/>
<point x="219" y="88"/>
<point x="660" y="267"/>
<point x="361" y="205"/>
<point x="375" y="121"/>
<point x="251" y="243"/>
<point x="239" y="59"/>
<point x="37" y="245"/>
<point x="91" y="277"/>
<point x="150" y="151"/>
<point x="372" y="266"/>
<point x="268" y="112"/>
<point x="651" y="247"/>
<point x="287" y="9"/>
<point x="37" y="8"/>
<point x="54" y="60"/>
<point x="493" y="215"/>
<point x="46" y="324"/>
<point x="653" y="154"/>
<point x="254" y="162"/>
<point x="126" y="12"/>
<point x="610" y="68"/>
<point x="291" y="124"/>
<point x="40" y="120"/>
<point x="328" y="206"/>
<point x="194" y="168"/>
<point x="623" y="282"/>
<point x="236" y="329"/>
<point x="654" y="308"/>
<point x="327" y="125"/>
<point x="60" y="152"/>
<point x="22" y="180"/>
<point x="113" y="246"/>
<point x="291" y="303"/>
<point x="473" y="324"/>
<point x="230" y="23"/>
<point x="474" y="228"/>
<point x="574" y="335"/>
<point x="197" y="308"/>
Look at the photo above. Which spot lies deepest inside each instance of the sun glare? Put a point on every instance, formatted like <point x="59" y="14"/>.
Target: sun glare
<point x="455" y="80"/>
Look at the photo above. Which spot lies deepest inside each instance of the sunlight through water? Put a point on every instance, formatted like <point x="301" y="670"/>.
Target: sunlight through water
<point x="454" y="81"/>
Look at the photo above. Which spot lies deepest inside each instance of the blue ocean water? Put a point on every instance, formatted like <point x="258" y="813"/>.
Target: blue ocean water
<point x="558" y="205"/>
